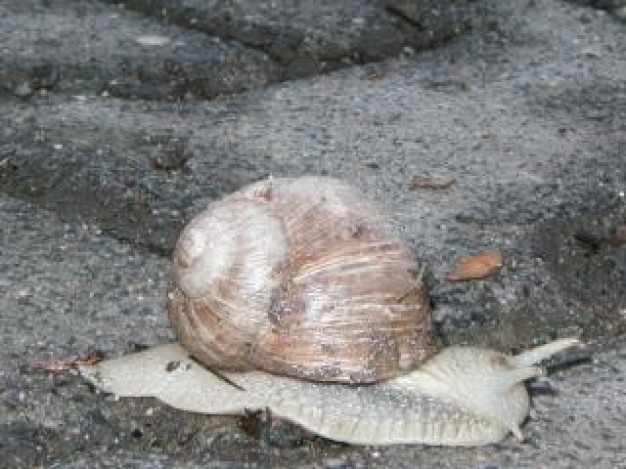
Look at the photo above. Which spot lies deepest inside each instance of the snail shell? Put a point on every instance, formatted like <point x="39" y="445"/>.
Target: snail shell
<point x="299" y="277"/>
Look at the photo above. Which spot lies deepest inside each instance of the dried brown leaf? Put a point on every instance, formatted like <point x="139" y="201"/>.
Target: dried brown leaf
<point x="477" y="266"/>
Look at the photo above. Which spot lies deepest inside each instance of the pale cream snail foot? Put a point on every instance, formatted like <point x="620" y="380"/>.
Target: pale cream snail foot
<point x="463" y="396"/>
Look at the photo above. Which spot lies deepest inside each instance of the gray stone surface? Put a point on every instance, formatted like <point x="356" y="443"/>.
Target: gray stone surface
<point x="527" y="113"/>
<point x="616" y="7"/>
<point x="86" y="47"/>
<point x="311" y="37"/>
<point x="67" y="287"/>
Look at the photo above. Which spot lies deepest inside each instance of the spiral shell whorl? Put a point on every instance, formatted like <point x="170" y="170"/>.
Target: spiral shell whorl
<point x="300" y="277"/>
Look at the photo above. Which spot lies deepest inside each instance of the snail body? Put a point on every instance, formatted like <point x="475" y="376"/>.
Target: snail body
<point x="463" y="396"/>
<point x="296" y="295"/>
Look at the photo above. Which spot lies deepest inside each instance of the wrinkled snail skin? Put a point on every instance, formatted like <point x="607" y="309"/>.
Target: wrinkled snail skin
<point x="296" y="295"/>
<point x="463" y="396"/>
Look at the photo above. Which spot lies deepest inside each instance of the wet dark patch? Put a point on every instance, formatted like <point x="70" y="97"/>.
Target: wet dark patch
<point x="133" y="185"/>
<point x="24" y="444"/>
<point x="599" y="102"/>
<point x="609" y="5"/>
<point x="304" y="41"/>
<point x="593" y="279"/>
<point x="271" y="431"/>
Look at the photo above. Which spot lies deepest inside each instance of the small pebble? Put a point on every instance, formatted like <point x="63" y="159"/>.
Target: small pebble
<point x="335" y="463"/>
<point x="152" y="40"/>
<point x="591" y="53"/>
<point x="23" y="90"/>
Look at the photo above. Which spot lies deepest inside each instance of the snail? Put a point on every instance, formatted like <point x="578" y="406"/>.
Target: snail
<point x="296" y="295"/>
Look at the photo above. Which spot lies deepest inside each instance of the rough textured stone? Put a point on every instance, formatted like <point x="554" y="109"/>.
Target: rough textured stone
<point x="82" y="46"/>
<point x="526" y="114"/>
<point x="616" y="7"/>
<point x="310" y="37"/>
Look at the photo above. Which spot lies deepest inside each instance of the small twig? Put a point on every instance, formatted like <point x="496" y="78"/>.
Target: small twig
<point x="92" y="357"/>
<point x="425" y="182"/>
<point x="218" y="374"/>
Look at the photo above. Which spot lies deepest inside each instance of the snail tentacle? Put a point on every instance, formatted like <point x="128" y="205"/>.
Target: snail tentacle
<point x="542" y="352"/>
<point x="516" y="376"/>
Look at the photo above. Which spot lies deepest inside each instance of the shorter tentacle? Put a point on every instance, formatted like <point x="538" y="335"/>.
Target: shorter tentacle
<point x="515" y="376"/>
<point x="535" y="355"/>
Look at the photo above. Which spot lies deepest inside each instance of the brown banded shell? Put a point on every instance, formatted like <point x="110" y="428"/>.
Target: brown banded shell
<point x="300" y="277"/>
